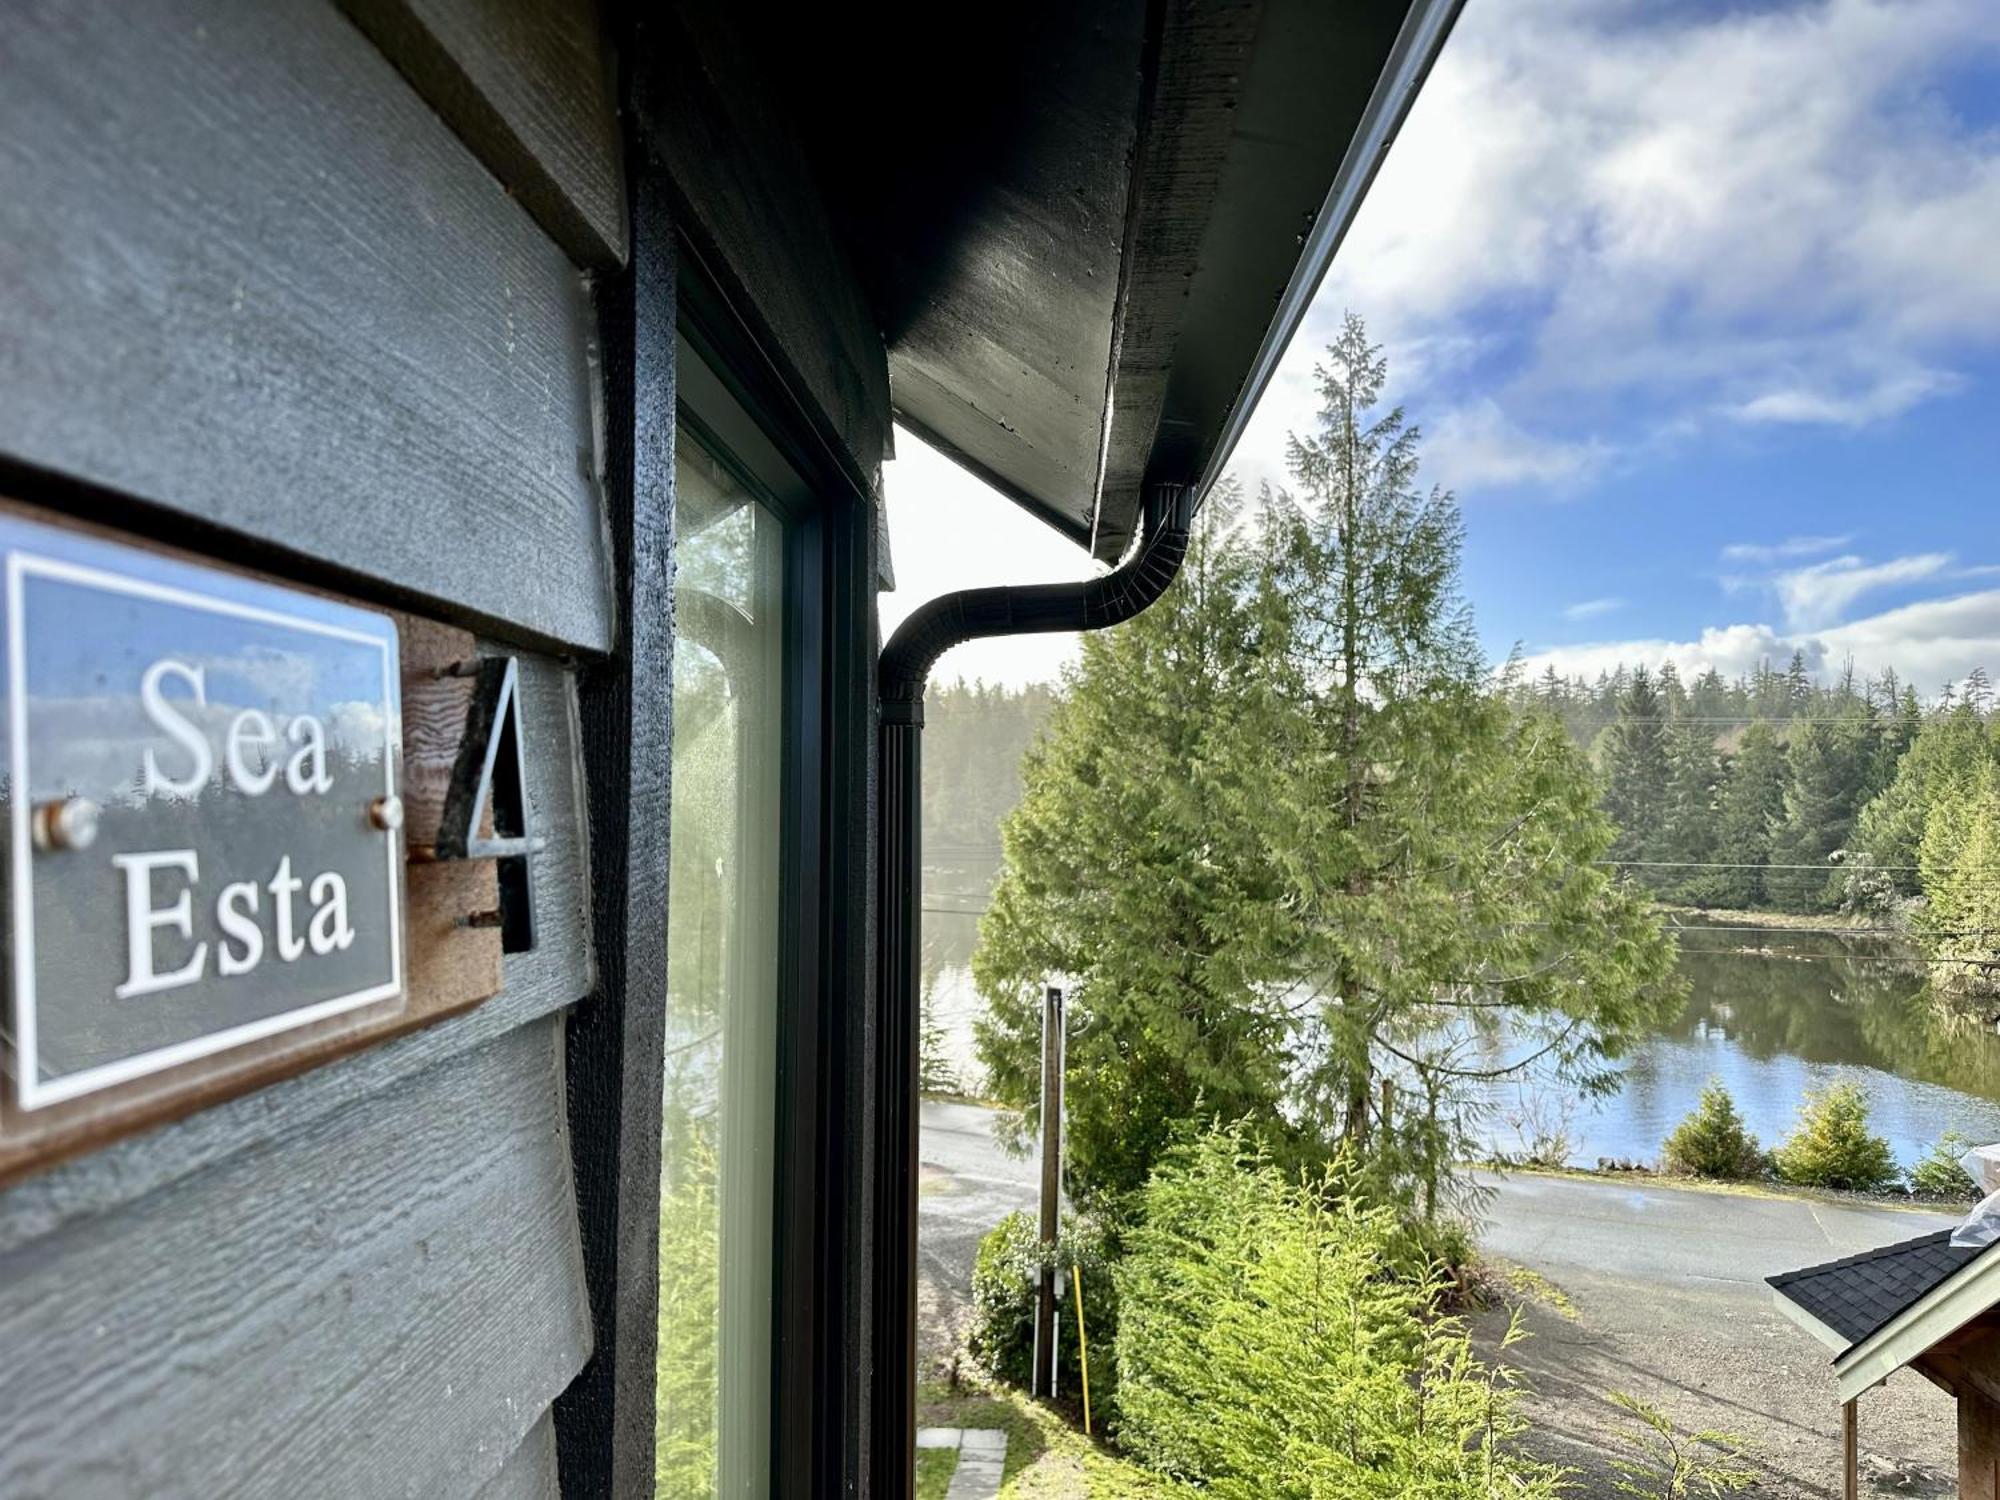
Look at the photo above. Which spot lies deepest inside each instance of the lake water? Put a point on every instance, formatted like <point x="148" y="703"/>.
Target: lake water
<point x="1770" y="1012"/>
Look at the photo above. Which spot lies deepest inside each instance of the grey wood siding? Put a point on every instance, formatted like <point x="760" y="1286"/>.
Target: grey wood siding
<point x="250" y="276"/>
<point x="531" y="1473"/>
<point x="381" y="1304"/>
<point x="529" y="85"/>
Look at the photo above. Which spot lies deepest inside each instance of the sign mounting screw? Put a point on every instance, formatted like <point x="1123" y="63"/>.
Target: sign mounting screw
<point x="68" y="823"/>
<point x="386" y="813"/>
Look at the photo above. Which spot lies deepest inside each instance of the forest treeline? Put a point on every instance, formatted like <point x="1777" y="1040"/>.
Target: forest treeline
<point x="1777" y="792"/>
<point x="975" y="734"/>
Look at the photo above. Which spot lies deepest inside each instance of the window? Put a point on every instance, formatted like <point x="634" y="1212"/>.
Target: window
<point x="725" y="938"/>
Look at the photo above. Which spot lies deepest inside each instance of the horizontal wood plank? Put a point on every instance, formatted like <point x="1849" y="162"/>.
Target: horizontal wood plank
<point x="531" y="87"/>
<point x="383" y="1304"/>
<point x="249" y="276"/>
<point x="538" y="983"/>
<point x="531" y="1473"/>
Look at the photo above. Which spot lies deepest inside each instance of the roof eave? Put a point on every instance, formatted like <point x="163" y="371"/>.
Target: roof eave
<point x="1939" y="1313"/>
<point x="1195" y="350"/>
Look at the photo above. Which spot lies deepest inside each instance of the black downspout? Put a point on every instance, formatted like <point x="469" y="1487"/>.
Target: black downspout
<point x="906" y="666"/>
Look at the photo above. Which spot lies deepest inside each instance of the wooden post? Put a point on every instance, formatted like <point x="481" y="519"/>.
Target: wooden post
<point x="1052" y="1083"/>
<point x="1850" y="1451"/>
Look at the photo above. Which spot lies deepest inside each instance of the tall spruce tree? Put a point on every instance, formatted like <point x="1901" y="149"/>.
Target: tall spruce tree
<point x="1831" y="758"/>
<point x="1289" y="843"/>
<point x="1946" y="751"/>
<point x="1636" y="772"/>
<point x="1132" y="870"/>
<point x="1752" y="808"/>
<point x="1689" y="835"/>
<point x="1960" y="860"/>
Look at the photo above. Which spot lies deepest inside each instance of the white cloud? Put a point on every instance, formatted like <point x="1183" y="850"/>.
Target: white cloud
<point x="1890" y="396"/>
<point x="1928" y="644"/>
<point x="1818" y="595"/>
<point x="1790" y="547"/>
<point x="1590" y="609"/>
<point x="1476" y="446"/>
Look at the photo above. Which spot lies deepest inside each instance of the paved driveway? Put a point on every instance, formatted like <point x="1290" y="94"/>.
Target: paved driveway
<point x="967" y="1185"/>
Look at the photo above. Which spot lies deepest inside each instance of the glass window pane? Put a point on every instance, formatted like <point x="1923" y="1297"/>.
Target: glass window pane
<point x="716" y="1192"/>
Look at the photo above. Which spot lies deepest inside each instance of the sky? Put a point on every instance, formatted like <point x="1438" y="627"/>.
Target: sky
<point x="1698" y="307"/>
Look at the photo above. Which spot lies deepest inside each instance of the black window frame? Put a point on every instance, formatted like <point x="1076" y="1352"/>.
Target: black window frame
<point x="733" y="399"/>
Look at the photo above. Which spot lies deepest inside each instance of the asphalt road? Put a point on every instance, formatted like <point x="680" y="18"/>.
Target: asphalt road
<point x="1659" y="1293"/>
<point x="968" y="1184"/>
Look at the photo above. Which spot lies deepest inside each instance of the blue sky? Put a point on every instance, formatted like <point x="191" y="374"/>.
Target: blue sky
<point x="1698" y="305"/>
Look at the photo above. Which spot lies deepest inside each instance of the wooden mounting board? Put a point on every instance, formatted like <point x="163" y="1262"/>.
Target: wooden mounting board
<point x="448" y="966"/>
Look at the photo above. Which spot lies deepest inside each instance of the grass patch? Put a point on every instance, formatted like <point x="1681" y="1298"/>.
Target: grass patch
<point x="1047" y="1459"/>
<point x="1524" y="1284"/>
<point x="934" y="1470"/>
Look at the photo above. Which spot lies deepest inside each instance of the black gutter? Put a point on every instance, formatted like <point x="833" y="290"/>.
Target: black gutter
<point x="906" y="666"/>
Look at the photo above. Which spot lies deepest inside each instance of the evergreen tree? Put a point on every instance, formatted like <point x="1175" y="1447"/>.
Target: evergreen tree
<point x="1830" y="762"/>
<point x="1287" y="841"/>
<point x="1636" y="772"/>
<point x="1960" y="860"/>
<point x="1134" y="868"/>
<point x="1798" y="686"/>
<point x="1944" y="754"/>
<point x="1689" y="836"/>
<point x="1752" y="807"/>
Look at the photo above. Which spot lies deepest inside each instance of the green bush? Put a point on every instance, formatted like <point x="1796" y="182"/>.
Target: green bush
<point x="1937" y="1173"/>
<point x="1832" y="1146"/>
<point x="1002" y="1336"/>
<point x="1711" y="1141"/>
<point x="1268" y="1351"/>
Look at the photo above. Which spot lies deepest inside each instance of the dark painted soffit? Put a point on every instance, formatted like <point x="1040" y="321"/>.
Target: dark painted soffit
<point x="1077" y="224"/>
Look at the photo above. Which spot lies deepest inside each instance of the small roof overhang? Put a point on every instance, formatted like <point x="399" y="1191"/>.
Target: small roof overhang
<point x="1088" y="232"/>
<point x="1882" y="1309"/>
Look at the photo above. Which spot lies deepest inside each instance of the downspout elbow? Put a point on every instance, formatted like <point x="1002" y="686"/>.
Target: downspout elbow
<point x="1032" y="609"/>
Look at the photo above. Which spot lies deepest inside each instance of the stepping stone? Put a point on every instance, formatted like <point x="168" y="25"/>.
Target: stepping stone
<point x="937" y="1437"/>
<point x="982" y="1461"/>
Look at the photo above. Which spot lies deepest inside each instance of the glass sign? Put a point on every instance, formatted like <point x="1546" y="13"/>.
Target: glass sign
<point x="205" y="841"/>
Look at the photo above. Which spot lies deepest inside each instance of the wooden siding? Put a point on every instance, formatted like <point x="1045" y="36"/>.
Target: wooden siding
<point x="254" y="283"/>
<point x="538" y="984"/>
<point x="531" y="87"/>
<point x="364" y="1281"/>
<point x="252" y="278"/>
<point x="530" y="1474"/>
<point x="383" y="1304"/>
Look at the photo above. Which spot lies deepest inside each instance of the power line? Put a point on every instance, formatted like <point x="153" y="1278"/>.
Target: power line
<point x="1817" y="931"/>
<point x="1713" y="864"/>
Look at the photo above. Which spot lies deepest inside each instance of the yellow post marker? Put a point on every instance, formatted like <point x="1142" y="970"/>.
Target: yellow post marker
<point x="1082" y="1343"/>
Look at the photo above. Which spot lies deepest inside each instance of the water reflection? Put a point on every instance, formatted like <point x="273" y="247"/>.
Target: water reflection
<point x="1771" y="1012"/>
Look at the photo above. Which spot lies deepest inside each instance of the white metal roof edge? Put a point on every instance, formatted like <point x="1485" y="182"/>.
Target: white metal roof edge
<point x="1940" y="1312"/>
<point x="1825" y="1333"/>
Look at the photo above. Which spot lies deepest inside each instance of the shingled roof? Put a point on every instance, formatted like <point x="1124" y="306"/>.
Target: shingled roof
<point x="1857" y="1295"/>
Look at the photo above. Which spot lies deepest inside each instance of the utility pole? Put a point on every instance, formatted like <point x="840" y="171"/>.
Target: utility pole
<point x="1043" y="1382"/>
